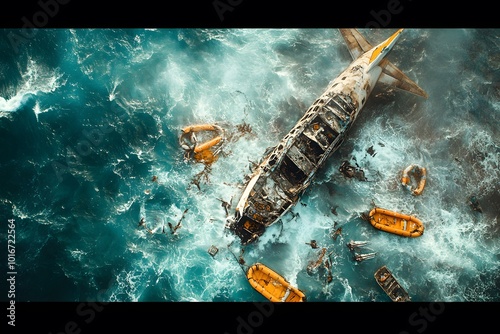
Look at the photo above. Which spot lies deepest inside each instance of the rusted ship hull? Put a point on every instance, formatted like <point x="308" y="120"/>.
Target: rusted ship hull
<point x="287" y="170"/>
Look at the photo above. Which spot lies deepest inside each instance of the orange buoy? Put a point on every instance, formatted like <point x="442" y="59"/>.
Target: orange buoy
<point x="419" y="174"/>
<point x="206" y="145"/>
<point x="198" y="142"/>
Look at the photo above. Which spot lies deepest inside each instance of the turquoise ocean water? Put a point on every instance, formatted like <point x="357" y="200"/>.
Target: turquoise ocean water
<point x="89" y="116"/>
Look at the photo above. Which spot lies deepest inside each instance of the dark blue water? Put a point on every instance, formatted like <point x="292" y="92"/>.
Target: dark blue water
<point x="88" y="117"/>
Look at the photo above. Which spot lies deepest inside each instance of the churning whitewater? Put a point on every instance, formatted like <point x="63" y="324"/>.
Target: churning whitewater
<point x="108" y="208"/>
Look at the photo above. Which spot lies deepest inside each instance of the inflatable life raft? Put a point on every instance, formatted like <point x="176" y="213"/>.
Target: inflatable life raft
<point x="396" y="223"/>
<point x="272" y="285"/>
<point x="202" y="142"/>
<point x="419" y="175"/>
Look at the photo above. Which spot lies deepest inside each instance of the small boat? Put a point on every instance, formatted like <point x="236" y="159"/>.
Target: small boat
<point x="395" y="222"/>
<point x="272" y="285"/>
<point x="390" y="285"/>
<point x="362" y="257"/>
<point x="355" y="244"/>
<point x="419" y="175"/>
<point x="203" y="142"/>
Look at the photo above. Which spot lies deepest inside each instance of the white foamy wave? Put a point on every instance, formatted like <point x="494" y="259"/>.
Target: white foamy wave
<point x="483" y="143"/>
<point x="259" y="81"/>
<point x="38" y="110"/>
<point x="35" y="80"/>
<point x="13" y="104"/>
<point x="348" y="295"/>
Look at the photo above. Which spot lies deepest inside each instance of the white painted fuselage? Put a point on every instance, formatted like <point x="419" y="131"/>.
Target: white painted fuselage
<point x="278" y="182"/>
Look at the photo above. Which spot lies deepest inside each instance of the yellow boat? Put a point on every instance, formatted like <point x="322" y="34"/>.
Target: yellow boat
<point x="272" y="285"/>
<point x="395" y="222"/>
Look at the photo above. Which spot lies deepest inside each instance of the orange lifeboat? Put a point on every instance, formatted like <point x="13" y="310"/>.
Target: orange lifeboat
<point x="395" y="222"/>
<point x="419" y="174"/>
<point x="272" y="285"/>
<point x="202" y="141"/>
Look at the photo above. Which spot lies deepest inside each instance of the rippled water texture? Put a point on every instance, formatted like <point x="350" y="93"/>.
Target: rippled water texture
<point x="88" y="117"/>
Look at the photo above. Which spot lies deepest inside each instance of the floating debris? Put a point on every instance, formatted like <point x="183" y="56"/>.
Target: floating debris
<point x="328" y="266"/>
<point x="337" y="232"/>
<point x="355" y="244"/>
<point x="203" y="174"/>
<point x="226" y="205"/>
<point x="371" y="151"/>
<point x="174" y="229"/>
<point x="315" y="264"/>
<point x="241" y="260"/>
<point x="474" y="204"/>
<point x="362" y="257"/>
<point x="244" y="128"/>
<point x="213" y="250"/>
<point x="365" y="216"/>
<point x="351" y="171"/>
<point x="142" y="222"/>
<point x="313" y="244"/>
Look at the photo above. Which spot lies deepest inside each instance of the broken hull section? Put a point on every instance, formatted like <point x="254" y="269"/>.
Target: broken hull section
<point x="281" y="178"/>
<point x="278" y="182"/>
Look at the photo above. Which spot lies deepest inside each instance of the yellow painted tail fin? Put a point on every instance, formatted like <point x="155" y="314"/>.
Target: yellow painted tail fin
<point x="391" y="75"/>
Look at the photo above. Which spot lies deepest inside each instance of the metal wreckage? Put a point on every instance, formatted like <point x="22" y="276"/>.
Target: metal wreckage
<point x="287" y="169"/>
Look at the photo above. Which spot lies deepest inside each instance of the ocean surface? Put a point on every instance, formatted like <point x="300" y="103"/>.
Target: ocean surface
<point x="88" y="118"/>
